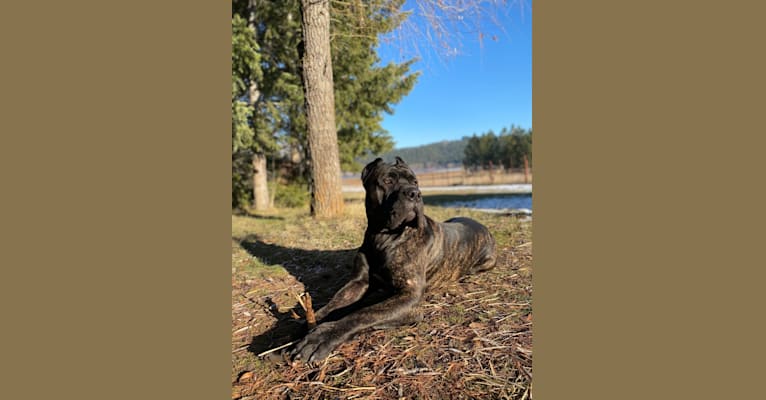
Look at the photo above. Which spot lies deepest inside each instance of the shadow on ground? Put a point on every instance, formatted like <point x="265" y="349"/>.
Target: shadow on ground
<point x="252" y="215"/>
<point x="322" y="273"/>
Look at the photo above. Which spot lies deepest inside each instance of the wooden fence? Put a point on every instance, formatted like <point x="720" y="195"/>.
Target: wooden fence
<point x="490" y="176"/>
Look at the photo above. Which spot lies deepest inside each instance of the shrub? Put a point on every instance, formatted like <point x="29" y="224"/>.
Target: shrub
<point x="291" y="195"/>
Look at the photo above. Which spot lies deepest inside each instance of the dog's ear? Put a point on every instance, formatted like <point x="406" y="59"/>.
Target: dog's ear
<point x="401" y="162"/>
<point x="371" y="166"/>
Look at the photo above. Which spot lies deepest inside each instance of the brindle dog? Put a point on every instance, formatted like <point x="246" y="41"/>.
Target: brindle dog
<point x="404" y="252"/>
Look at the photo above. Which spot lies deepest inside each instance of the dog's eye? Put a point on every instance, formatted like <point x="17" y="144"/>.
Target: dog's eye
<point x="414" y="181"/>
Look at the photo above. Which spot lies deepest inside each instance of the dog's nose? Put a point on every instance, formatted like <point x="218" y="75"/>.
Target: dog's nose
<point x="412" y="193"/>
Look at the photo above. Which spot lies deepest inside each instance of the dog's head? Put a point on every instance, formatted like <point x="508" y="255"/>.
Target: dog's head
<point x="393" y="198"/>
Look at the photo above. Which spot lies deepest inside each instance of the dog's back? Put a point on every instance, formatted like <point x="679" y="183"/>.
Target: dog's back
<point x="468" y="248"/>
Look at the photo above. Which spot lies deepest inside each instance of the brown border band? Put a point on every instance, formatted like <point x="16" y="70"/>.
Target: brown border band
<point x="116" y="258"/>
<point x="648" y="208"/>
<point x="645" y="119"/>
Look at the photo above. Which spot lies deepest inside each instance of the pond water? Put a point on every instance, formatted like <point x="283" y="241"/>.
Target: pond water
<point x="495" y="201"/>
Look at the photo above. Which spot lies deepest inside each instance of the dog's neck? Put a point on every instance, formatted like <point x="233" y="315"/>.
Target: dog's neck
<point x="374" y="229"/>
<point x="407" y="228"/>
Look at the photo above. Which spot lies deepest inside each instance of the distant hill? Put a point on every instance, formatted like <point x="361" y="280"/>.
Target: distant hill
<point x="447" y="153"/>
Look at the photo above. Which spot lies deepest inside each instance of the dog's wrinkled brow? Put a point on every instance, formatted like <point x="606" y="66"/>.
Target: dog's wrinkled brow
<point x="409" y="177"/>
<point x="402" y="173"/>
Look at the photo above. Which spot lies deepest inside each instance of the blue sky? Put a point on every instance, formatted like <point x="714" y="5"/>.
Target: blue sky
<point x="487" y="86"/>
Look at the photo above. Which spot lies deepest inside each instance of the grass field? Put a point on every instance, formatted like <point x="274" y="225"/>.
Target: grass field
<point x="475" y="340"/>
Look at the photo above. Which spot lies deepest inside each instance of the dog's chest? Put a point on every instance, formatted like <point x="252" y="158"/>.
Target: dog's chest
<point x="392" y="269"/>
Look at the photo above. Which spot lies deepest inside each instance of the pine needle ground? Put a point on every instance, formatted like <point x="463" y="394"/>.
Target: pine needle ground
<point x="475" y="341"/>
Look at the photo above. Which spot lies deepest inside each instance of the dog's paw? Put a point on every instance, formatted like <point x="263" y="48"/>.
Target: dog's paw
<point x="318" y="344"/>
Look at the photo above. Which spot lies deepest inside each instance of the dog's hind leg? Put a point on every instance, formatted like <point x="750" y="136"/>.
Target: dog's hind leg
<point x="487" y="263"/>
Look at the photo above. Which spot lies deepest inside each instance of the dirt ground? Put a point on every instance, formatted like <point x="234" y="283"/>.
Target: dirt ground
<point x="475" y="340"/>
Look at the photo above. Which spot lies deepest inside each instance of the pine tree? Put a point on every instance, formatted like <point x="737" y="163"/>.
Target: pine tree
<point x="509" y="148"/>
<point x="363" y="89"/>
<point x="265" y="90"/>
<point x="246" y="75"/>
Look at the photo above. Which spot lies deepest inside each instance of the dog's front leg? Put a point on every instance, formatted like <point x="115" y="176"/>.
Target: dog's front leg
<point x="352" y="291"/>
<point x="395" y="310"/>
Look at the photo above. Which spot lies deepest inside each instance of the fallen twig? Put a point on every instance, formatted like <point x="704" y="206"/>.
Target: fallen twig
<point x="311" y="320"/>
<point x="305" y="302"/>
<point x="276" y="348"/>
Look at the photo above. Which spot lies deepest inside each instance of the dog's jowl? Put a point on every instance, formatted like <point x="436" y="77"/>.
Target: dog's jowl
<point x="403" y="254"/>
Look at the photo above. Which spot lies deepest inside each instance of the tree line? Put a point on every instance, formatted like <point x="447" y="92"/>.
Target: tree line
<point x="509" y="148"/>
<point x="440" y="154"/>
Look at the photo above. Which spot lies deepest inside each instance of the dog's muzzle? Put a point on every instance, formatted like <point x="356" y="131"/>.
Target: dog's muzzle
<point x="410" y="193"/>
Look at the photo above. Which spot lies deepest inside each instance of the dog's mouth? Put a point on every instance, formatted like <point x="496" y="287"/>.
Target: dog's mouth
<point x="398" y="219"/>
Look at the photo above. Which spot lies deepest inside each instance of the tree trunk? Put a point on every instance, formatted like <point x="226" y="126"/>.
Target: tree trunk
<point x="261" y="200"/>
<point x="326" y="195"/>
<point x="260" y="183"/>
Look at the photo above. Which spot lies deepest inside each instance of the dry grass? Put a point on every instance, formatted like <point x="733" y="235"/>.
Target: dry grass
<point x="475" y="340"/>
